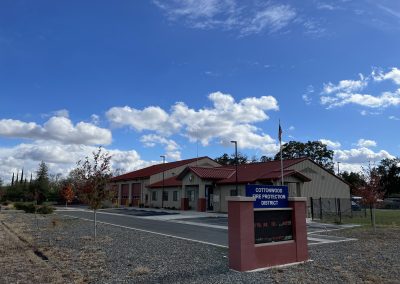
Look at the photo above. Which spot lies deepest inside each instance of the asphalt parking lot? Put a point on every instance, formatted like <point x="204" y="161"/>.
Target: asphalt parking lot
<point x="193" y="226"/>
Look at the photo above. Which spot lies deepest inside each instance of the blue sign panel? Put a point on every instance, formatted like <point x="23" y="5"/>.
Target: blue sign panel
<point x="268" y="196"/>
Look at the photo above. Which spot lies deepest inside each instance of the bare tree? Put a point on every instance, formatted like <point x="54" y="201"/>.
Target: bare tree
<point x="91" y="178"/>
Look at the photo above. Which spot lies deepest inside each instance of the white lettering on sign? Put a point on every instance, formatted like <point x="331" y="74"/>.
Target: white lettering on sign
<point x="268" y="190"/>
<point x="269" y="202"/>
<point x="269" y="196"/>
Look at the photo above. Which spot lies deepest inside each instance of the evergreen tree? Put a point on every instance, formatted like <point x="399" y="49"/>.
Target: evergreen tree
<point x="12" y="180"/>
<point x="22" y="177"/>
<point x="41" y="185"/>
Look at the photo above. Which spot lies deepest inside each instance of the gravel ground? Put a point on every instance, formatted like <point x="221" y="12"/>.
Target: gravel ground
<point x="127" y="256"/>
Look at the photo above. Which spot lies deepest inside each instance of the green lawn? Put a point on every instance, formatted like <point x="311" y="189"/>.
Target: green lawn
<point x="383" y="217"/>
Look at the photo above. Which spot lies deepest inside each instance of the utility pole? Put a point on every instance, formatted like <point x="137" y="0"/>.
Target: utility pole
<point x="236" y="166"/>
<point x="163" y="177"/>
<point x="338" y="169"/>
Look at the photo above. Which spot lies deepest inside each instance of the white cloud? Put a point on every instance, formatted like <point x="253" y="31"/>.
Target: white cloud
<point x="245" y="18"/>
<point x="346" y="86"/>
<point x="150" y="118"/>
<point x="383" y="101"/>
<point x="348" y="92"/>
<point x="274" y="18"/>
<point x="60" y="158"/>
<point x="361" y="155"/>
<point x="291" y="128"/>
<point x="307" y="97"/>
<point x="62" y="113"/>
<point x="226" y="120"/>
<point x="392" y="117"/>
<point x="326" y="6"/>
<point x="57" y="128"/>
<point x="366" y="143"/>
<point x="330" y="143"/>
<point x="171" y="147"/>
<point x="393" y="74"/>
<point x="95" y="119"/>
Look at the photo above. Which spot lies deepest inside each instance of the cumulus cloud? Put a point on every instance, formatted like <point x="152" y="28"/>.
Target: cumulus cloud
<point x="361" y="155"/>
<point x="346" y="86"/>
<point x="57" y="128"/>
<point x="61" y="158"/>
<point x="348" y="92"/>
<point x="366" y="143"/>
<point x="330" y="143"/>
<point x="393" y="75"/>
<point x="233" y="15"/>
<point x="171" y="147"/>
<point x="383" y="101"/>
<point x="226" y="120"/>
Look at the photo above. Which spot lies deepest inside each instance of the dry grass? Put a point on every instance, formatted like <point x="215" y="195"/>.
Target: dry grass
<point x="140" y="270"/>
<point x="18" y="263"/>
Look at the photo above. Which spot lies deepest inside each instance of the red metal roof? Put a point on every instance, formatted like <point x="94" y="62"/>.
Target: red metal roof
<point x="169" y="182"/>
<point x="155" y="169"/>
<point x="278" y="174"/>
<point x="248" y="173"/>
<point x="209" y="173"/>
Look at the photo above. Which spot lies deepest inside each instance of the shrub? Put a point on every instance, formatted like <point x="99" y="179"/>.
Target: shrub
<point x="45" y="209"/>
<point x="27" y="207"/>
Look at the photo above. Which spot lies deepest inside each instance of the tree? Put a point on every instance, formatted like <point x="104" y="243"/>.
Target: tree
<point x="67" y="193"/>
<point x="91" y="178"/>
<point x="225" y="159"/>
<point x="355" y="180"/>
<point x="265" y="159"/>
<point x="371" y="192"/>
<point x="389" y="171"/>
<point x="315" y="150"/>
<point x="41" y="186"/>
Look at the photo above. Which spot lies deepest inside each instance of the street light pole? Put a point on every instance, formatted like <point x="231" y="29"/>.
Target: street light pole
<point x="236" y="166"/>
<point x="162" y="192"/>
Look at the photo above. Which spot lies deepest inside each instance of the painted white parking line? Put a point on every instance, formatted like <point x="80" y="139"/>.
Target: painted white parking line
<point x="320" y="241"/>
<point x="151" y="232"/>
<point x="200" y="224"/>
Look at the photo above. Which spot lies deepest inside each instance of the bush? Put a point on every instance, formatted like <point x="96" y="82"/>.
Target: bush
<point x="27" y="207"/>
<point x="45" y="209"/>
<point x="30" y="208"/>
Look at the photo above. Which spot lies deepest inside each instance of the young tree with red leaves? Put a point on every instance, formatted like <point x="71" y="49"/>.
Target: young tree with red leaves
<point x="91" y="178"/>
<point x="371" y="192"/>
<point x="67" y="193"/>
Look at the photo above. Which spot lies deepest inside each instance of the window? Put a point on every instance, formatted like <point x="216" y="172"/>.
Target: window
<point x="165" y="196"/>
<point x="233" y="192"/>
<point x="175" y="196"/>
<point x="154" y="196"/>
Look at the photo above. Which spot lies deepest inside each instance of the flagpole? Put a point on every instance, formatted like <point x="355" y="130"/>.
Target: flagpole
<point x="280" y="146"/>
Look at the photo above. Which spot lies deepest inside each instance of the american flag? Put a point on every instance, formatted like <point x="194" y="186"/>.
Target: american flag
<point x="280" y="132"/>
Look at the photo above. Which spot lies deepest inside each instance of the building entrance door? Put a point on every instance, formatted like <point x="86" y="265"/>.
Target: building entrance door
<point x="210" y="197"/>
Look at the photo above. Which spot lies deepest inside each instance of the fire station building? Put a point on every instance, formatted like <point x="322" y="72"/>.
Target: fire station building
<point x="202" y="184"/>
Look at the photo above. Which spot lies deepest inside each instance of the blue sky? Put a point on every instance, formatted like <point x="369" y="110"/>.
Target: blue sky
<point x="147" y="78"/>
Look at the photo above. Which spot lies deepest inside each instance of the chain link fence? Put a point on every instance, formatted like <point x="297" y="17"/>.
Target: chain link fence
<point x="335" y="209"/>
